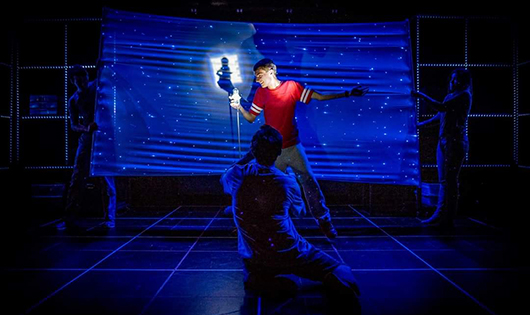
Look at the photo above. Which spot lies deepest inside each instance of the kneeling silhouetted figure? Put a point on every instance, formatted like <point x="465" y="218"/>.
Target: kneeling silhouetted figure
<point x="263" y="198"/>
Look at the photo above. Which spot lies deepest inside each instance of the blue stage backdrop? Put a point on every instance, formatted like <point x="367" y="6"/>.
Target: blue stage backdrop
<point x="163" y="104"/>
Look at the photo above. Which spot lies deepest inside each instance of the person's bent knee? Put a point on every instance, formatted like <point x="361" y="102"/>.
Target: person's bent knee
<point x="341" y="281"/>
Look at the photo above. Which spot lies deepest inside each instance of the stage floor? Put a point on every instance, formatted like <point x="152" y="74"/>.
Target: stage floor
<point x="185" y="261"/>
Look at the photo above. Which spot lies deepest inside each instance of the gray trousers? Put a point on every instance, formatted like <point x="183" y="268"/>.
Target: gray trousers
<point x="295" y="158"/>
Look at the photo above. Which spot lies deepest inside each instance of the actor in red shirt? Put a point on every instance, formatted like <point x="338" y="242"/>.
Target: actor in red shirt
<point x="277" y="100"/>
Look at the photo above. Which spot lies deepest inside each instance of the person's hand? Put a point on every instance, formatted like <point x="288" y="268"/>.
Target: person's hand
<point x="359" y="91"/>
<point x="235" y="102"/>
<point x="92" y="127"/>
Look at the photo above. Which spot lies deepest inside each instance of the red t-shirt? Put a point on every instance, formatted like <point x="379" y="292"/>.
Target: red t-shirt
<point x="279" y="106"/>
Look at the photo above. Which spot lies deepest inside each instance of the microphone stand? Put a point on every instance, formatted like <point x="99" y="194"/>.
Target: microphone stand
<point x="233" y="93"/>
<point x="237" y="98"/>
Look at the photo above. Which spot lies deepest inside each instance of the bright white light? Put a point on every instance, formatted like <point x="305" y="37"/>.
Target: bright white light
<point x="233" y="64"/>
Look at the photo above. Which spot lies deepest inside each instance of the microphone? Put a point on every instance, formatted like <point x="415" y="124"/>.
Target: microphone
<point x="235" y="96"/>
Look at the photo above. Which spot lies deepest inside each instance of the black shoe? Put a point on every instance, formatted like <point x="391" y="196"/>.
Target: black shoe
<point x="61" y="226"/>
<point x="70" y="229"/>
<point x="67" y="225"/>
<point x="434" y="220"/>
<point x="328" y="229"/>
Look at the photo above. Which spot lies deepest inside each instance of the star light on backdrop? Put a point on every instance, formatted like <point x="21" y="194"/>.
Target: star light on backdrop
<point x="163" y="107"/>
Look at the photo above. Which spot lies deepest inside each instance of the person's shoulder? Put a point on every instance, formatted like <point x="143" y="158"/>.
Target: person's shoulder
<point x="235" y="171"/>
<point x="458" y="96"/>
<point x="235" y="168"/>
<point x="463" y="94"/>
<point x="249" y="168"/>
<point x="291" y="84"/>
<point x="259" y="91"/>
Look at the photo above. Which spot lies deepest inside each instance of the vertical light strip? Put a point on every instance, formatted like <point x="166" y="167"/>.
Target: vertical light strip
<point x="66" y="113"/>
<point x="466" y="23"/>
<point x="515" y="100"/>
<point x="17" y="108"/>
<point x="466" y="28"/>
<point x="417" y="70"/>
<point x="417" y="99"/>
<point x="11" y="103"/>
<point x="114" y="90"/>
<point x="115" y="133"/>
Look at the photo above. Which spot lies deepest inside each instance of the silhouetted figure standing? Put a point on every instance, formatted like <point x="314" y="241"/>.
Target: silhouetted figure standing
<point x="277" y="99"/>
<point x="263" y="198"/>
<point x="453" y="143"/>
<point x="82" y="103"/>
<point x="224" y="73"/>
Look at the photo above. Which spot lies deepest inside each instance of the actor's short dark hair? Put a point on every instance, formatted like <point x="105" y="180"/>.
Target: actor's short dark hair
<point x="266" y="145"/>
<point x="464" y="79"/>
<point x="266" y="64"/>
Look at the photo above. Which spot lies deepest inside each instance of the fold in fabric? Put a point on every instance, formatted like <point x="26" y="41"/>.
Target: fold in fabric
<point x="163" y="106"/>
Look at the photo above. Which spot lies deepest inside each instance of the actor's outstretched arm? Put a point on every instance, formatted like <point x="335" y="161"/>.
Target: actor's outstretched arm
<point x="356" y="91"/>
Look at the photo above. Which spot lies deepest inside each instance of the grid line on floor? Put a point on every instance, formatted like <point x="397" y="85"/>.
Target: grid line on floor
<point x="343" y="247"/>
<point x="431" y="267"/>
<point x="92" y="267"/>
<point x="146" y="307"/>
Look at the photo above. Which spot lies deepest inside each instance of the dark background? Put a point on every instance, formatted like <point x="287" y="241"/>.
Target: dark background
<point x="40" y="40"/>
